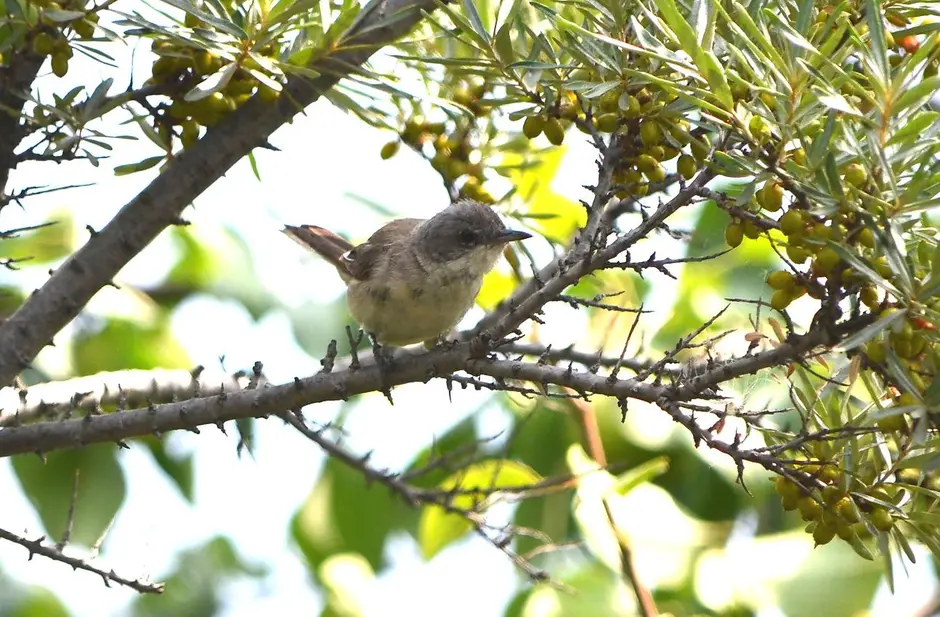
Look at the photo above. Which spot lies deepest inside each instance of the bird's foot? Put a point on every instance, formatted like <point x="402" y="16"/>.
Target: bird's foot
<point x="384" y="361"/>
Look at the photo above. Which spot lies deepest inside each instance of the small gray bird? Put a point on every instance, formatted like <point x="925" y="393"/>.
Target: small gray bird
<point x="413" y="280"/>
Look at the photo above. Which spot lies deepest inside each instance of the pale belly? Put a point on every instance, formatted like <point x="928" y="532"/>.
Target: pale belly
<point x="402" y="314"/>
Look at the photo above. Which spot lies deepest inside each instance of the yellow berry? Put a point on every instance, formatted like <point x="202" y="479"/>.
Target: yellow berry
<point x="85" y="28"/>
<point x="43" y="44"/>
<point x="824" y="533"/>
<point x="869" y="296"/>
<point x="759" y="129"/>
<point x="650" y="133"/>
<point x="781" y="280"/>
<point x="607" y="123"/>
<point x="645" y="162"/>
<point x="781" y="299"/>
<point x="267" y="93"/>
<point x="845" y="508"/>
<point x="204" y="62"/>
<point x="686" y="166"/>
<point x="810" y="510"/>
<point x="875" y="352"/>
<point x="60" y="64"/>
<point x="785" y="487"/>
<point x="770" y="197"/>
<point x="791" y="222"/>
<point x="855" y="174"/>
<point x="532" y="126"/>
<point x="827" y="259"/>
<point x="866" y="238"/>
<point x="554" y="131"/>
<point x="882" y="519"/>
<point x="656" y="173"/>
<point x="734" y="234"/>
<point x="190" y="133"/>
<point x="700" y="148"/>
<point x="798" y="254"/>
<point x="752" y="230"/>
<point x="389" y="150"/>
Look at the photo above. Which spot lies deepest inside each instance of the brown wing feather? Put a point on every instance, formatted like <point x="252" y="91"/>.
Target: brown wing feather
<point x="362" y="260"/>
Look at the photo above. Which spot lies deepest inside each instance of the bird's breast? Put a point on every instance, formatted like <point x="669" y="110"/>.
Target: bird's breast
<point x="402" y="312"/>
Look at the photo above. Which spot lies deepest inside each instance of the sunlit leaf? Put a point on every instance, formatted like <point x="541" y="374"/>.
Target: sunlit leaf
<point x="438" y="528"/>
<point x="50" y="485"/>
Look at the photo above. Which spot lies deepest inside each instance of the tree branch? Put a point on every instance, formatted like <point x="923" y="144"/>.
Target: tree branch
<point x="16" y="77"/>
<point x="160" y="204"/>
<point x="122" y="389"/>
<point x="406" y="366"/>
<point x="36" y="547"/>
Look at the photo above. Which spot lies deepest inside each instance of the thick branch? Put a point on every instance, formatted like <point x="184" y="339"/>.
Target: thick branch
<point x="16" y="78"/>
<point x="124" y="389"/>
<point x="68" y="290"/>
<point x="407" y="367"/>
<point x="341" y="384"/>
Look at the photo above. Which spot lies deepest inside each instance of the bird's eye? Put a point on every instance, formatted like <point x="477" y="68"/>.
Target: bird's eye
<point x="467" y="237"/>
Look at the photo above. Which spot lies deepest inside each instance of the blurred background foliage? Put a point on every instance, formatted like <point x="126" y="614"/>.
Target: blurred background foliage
<point x="704" y="545"/>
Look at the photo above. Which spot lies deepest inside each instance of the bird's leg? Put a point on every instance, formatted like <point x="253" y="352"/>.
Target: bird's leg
<point x="446" y="340"/>
<point x="384" y="362"/>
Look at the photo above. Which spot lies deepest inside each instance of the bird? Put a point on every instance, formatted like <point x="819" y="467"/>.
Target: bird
<point x="414" y="279"/>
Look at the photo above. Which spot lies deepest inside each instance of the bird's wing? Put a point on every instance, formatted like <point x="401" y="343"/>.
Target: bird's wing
<point x="361" y="260"/>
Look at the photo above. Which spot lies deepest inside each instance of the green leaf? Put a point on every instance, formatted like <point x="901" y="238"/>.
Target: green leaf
<point x="221" y="24"/>
<point x="437" y="528"/>
<point x="124" y="344"/>
<point x="853" y="260"/>
<point x="876" y="38"/>
<point x="871" y="330"/>
<point x="641" y="474"/>
<point x="51" y="242"/>
<point x="469" y="7"/>
<point x="60" y="16"/>
<point x="132" y="168"/>
<point x="49" y="485"/>
<point x="914" y="127"/>
<point x="917" y="95"/>
<point x="346" y="513"/>
<point x="195" y="588"/>
<point x="211" y="84"/>
<point x="932" y="393"/>
<point x="704" y="59"/>
<point x="39" y="602"/>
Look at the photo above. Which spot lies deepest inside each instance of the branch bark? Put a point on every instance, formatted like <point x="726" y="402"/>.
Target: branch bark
<point x="159" y="205"/>
<point x="406" y="367"/>
<point x="123" y="389"/>
<point x="16" y="78"/>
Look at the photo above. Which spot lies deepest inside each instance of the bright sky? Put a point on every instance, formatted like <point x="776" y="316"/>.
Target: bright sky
<point x="325" y="156"/>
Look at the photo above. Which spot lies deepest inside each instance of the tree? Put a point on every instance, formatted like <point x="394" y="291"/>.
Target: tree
<point x="768" y="169"/>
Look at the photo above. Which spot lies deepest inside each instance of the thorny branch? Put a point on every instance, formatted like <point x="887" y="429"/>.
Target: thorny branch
<point x="36" y="547"/>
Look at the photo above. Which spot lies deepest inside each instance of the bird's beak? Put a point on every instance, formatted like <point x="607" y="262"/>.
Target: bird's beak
<point x="510" y="235"/>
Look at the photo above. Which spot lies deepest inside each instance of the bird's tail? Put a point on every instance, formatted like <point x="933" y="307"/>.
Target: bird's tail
<point x="323" y="242"/>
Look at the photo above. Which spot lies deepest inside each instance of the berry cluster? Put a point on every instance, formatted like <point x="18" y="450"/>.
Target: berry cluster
<point x="54" y="22"/>
<point x="649" y="132"/>
<point x="452" y="146"/>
